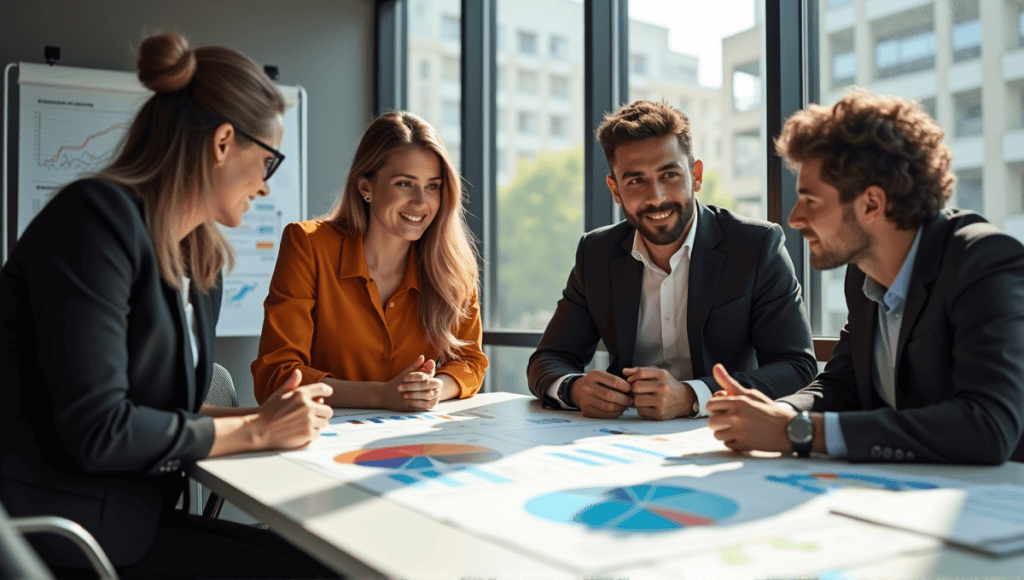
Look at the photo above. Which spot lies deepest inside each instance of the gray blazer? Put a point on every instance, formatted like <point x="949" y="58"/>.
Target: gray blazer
<point x="959" y="357"/>
<point x="744" y="308"/>
<point x="99" y="393"/>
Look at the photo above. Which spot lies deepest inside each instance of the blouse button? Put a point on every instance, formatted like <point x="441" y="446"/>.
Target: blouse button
<point x="392" y="305"/>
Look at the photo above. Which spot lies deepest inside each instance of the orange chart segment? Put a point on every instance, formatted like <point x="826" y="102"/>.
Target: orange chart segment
<point x="418" y="456"/>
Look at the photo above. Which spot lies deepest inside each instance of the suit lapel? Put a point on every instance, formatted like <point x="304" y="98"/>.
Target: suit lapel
<point x="706" y="265"/>
<point x="626" y="275"/>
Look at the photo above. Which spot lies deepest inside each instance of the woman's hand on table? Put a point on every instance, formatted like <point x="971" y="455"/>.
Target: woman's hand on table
<point x="414" y="389"/>
<point x="293" y="415"/>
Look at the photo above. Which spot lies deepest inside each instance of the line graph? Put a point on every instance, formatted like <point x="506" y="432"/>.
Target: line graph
<point x="73" y="142"/>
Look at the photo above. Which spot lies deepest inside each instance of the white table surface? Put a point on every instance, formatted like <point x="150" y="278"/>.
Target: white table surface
<point x="363" y="535"/>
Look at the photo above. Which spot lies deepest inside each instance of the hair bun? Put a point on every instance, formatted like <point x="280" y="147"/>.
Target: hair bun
<point x="166" y="64"/>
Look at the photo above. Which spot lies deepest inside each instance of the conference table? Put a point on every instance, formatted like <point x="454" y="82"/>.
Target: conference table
<point x="359" y="528"/>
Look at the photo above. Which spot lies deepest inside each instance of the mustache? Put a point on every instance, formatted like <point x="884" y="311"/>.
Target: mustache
<point x="667" y="206"/>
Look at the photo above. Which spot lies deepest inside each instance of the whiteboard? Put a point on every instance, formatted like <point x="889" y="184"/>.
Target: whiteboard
<point x="69" y="122"/>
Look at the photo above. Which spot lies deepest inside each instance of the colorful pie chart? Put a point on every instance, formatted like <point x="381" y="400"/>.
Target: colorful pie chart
<point x="637" y="508"/>
<point x="424" y="456"/>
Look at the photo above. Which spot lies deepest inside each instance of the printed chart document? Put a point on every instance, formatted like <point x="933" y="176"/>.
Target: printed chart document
<point x="987" y="518"/>
<point x="597" y="496"/>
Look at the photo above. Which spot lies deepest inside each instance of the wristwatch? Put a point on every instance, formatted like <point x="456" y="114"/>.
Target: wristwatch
<point x="800" y="431"/>
<point x="564" y="389"/>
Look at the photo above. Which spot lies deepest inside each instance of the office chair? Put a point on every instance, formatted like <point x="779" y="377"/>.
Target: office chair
<point x="19" y="560"/>
<point x="222" y="394"/>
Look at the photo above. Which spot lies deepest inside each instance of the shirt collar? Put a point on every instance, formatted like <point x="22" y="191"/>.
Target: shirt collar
<point x="893" y="298"/>
<point x="353" y="263"/>
<point x="640" y="249"/>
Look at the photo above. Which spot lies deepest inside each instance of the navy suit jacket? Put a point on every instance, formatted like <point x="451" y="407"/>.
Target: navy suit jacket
<point x="100" y="393"/>
<point x="744" y="307"/>
<point x="959" y="356"/>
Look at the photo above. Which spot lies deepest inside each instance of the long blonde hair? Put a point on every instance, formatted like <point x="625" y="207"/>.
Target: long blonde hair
<point x="446" y="254"/>
<point x="165" y="157"/>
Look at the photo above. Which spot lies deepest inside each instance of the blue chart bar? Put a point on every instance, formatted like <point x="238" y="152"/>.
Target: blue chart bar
<point x="442" y="479"/>
<point x="491" y="477"/>
<point x="639" y="449"/>
<point x="575" y="458"/>
<point x="606" y="456"/>
<point x="402" y="478"/>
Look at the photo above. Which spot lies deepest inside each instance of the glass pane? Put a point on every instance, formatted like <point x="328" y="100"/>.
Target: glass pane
<point x="434" y="68"/>
<point x="705" y="59"/>
<point x="896" y="44"/>
<point x="539" y="218"/>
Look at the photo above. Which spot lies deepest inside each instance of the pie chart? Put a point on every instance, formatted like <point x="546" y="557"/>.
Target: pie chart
<point x="423" y="456"/>
<point x="636" y="508"/>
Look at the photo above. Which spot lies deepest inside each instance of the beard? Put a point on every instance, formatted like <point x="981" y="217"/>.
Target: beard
<point x="854" y="239"/>
<point x="665" y="234"/>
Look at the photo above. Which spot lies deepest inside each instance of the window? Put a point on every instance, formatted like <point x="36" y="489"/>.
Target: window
<point x="559" y="126"/>
<point x="451" y="69"/>
<point x="527" y="122"/>
<point x="527" y="42"/>
<point x="906" y="54"/>
<point x="844" y="59"/>
<point x="966" y="32"/>
<point x="434" y="70"/>
<point x="451" y="113"/>
<point x="638" y="64"/>
<point x="967" y="113"/>
<point x="559" y="87"/>
<point x="844" y="68"/>
<point x="747" y="154"/>
<point x="451" y="28"/>
<point x="1020" y="28"/>
<point x="967" y="40"/>
<point x="559" y="47"/>
<point x="528" y="82"/>
<point x="969" y="191"/>
<point x="746" y="87"/>
<point x="502" y="80"/>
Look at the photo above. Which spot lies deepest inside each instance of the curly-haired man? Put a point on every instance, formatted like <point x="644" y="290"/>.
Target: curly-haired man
<point x="930" y="364"/>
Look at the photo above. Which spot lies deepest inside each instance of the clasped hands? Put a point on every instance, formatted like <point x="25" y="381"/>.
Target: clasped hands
<point x="414" y="389"/>
<point x="653" y="391"/>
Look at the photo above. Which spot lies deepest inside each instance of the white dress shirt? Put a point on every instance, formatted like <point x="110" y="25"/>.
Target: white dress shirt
<point x="661" y="338"/>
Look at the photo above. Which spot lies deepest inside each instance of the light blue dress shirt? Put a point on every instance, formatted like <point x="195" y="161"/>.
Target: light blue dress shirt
<point x="890" y="302"/>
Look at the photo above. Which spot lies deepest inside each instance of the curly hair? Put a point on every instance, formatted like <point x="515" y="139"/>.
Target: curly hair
<point x="866" y="139"/>
<point x="643" y="120"/>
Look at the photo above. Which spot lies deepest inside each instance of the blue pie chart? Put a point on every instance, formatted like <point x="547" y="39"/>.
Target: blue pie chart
<point x="636" y="508"/>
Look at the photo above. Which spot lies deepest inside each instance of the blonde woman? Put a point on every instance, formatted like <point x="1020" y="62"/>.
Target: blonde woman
<point x="379" y="300"/>
<point x="108" y="305"/>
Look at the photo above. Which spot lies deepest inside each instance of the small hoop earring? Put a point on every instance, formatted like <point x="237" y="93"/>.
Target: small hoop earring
<point x="367" y="198"/>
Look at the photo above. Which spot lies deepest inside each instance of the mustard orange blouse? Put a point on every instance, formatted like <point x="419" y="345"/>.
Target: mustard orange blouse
<point x="323" y="317"/>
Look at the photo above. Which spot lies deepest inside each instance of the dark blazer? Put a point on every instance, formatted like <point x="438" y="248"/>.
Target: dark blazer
<point x="959" y="357"/>
<point x="99" y="395"/>
<point x="744" y="308"/>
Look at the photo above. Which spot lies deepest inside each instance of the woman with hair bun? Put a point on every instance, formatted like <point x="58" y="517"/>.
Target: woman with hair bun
<point x="379" y="300"/>
<point x="108" y="305"/>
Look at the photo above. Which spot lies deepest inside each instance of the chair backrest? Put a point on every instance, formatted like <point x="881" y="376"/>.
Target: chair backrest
<point x="222" y="389"/>
<point x="17" y="558"/>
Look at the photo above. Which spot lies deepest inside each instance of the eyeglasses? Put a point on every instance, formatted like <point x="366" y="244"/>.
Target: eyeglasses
<point x="272" y="164"/>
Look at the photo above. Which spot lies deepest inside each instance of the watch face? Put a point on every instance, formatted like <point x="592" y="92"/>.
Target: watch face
<point x="800" y="429"/>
